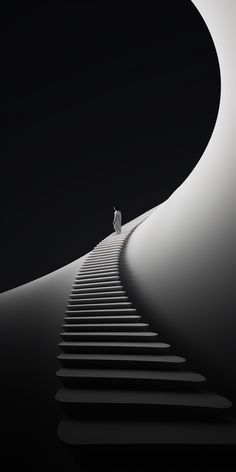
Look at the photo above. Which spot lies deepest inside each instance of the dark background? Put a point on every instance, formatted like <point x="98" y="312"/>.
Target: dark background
<point x="106" y="104"/>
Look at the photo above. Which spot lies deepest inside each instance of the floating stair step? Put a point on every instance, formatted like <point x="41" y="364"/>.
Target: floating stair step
<point x="146" y="431"/>
<point x="110" y="239"/>
<point x="113" y="239"/>
<point x="105" y="327"/>
<point x="104" y="261"/>
<point x="143" y="379"/>
<point x="100" y="302"/>
<point x="105" y="251"/>
<point x="94" y="273"/>
<point x="95" y="262"/>
<point x="95" y="267"/>
<point x="104" y="283"/>
<point x="101" y="289"/>
<point x="92" y="262"/>
<point x="122" y="361"/>
<point x="95" y="299"/>
<point x="84" y="306"/>
<point x="105" y="319"/>
<point x="110" y="336"/>
<point x="98" y="294"/>
<point x="112" y="242"/>
<point x="161" y="401"/>
<point x="114" y="347"/>
<point x="102" y="278"/>
<point x="98" y="276"/>
<point x="106" y="254"/>
<point x="111" y="255"/>
<point x="110" y="311"/>
<point x="115" y="254"/>
<point x="101" y="247"/>
<point x="110" y="247"/>
<point x="105" y="247"/>
<point x="101" y="266"/>
<point x="104" y="257"/>
<point x="91" y="283"/>
<point x="98" y="271"/>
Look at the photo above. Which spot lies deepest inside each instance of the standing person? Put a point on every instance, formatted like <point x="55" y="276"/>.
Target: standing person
<point x="117" y="220"/>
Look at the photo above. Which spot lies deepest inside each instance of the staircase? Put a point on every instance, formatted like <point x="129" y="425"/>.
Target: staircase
<point x="120" y="383"/>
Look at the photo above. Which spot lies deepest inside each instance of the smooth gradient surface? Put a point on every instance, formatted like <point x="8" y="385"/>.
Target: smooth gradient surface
<point x="182" y="259"/>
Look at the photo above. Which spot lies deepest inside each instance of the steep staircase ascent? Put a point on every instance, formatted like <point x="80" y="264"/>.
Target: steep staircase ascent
<point x="121" y="384"/>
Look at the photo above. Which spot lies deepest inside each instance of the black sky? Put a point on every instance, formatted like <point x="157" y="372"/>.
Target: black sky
<point x="106" y="104"/>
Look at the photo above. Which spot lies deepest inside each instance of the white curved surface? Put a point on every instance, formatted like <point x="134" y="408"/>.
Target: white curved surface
<point x="182" y="259"/>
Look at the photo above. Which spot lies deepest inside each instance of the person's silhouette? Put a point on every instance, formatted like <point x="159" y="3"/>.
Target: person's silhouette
<point x="117" y="220"/>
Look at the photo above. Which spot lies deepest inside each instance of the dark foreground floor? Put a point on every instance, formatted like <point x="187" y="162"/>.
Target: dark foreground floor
<point x="57" y="457"/>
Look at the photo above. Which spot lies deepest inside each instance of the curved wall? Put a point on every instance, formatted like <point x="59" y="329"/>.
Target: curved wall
<point x="182" y="259"/>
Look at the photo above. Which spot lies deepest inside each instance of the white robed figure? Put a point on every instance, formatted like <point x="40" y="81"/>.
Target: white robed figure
<point x="117" y="220"/>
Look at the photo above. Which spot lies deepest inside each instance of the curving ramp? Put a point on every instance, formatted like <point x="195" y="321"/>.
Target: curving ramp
<point x="181" y="261"/>
<point x="118" y="375"/>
